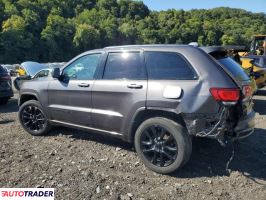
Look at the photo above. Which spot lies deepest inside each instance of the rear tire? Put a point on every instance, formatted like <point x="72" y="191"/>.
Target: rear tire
<point x="33" y="119"/>
<point x="163" y="145"/>
<point x="3" y="101"/>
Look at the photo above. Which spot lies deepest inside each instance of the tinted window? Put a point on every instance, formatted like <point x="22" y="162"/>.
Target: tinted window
<point x="167" y="66"/>
<point x="43" y="73"/>
<point x="124" y="65"/>
<point x="234" y="68"/>
<point x="83" y="68"/>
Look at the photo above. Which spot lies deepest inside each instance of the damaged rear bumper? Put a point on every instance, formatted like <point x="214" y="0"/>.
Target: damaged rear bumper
<point x="245" y="126"/>
<point x="219" y="127"/>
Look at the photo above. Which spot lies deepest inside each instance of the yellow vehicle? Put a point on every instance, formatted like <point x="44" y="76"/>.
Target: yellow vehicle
<point x="253" y="61"/>
<point x="20" y="71"/>
<point x="255" y="70"/>
<point x="256" y="58"/>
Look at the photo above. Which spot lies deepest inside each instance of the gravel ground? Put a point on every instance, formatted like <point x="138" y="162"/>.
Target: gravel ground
<point x="81" y="165"/>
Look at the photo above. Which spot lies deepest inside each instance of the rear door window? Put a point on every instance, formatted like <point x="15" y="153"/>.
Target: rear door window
<point x="168" y="66"/>
<point x="234" y="68"/>
<point x="124" y="65"/>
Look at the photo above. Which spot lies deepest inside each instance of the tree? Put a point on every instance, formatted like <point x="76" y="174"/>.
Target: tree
<point x="58" y="36"/>
<point x="45" y="30"/>
<point x="16" y="42"/>
<point x="86" y="37"/>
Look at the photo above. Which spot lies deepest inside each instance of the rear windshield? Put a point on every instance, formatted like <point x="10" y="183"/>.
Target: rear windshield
<point x="2" y="70"/>
<point x="234" y="68"/>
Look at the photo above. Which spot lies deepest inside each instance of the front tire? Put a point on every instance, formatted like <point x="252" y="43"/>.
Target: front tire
<point x="33" y="119"/>
<point x="163" y="145"/>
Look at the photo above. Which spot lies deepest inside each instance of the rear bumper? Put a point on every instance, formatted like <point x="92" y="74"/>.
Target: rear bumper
<point x="222" y="130"/>
<point x="246" y="125"/>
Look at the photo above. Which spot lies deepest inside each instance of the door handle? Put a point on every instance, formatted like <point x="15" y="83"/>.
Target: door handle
<point x="135" y="86"/>
<point x="84" y="85"/>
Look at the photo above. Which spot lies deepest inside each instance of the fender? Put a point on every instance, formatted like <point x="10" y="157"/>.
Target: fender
<point x="142" y="113"/>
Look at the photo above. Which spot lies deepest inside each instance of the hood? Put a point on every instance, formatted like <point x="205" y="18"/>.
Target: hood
<point x="32" y="68"/>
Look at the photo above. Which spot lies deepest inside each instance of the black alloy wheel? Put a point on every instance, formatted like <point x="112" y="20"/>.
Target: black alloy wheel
<point x="159" y="146"/>
<point x="163" y="145"/>
<point x="33" y="119"/>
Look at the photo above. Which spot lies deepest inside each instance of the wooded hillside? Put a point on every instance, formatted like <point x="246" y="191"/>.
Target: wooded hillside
<point x="57" y="30"/>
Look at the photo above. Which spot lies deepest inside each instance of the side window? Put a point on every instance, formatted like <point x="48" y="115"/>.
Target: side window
<point x="168" y="66"/>
<point x="83" y="68"/>
<point x="43" y="73"/>
<point x="124" y="65"/>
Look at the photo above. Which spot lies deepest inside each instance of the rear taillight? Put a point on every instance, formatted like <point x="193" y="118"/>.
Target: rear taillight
<point x="247" y="91"/>
<point x="225" y="94"/>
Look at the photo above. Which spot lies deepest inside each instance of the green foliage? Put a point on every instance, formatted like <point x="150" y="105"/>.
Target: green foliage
<point x="45" y="30"/>
<point x="86" y="37"/>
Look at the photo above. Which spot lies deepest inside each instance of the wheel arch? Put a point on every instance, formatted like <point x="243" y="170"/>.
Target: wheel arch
<point x="144" y="114"/>
<point x="27" y="97"/>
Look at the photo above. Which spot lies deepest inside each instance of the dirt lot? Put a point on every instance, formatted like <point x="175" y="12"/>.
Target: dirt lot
<point x="84" y="165"/>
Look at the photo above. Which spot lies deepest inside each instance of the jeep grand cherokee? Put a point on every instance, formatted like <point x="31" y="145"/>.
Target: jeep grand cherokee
<point x="155" y="96"/>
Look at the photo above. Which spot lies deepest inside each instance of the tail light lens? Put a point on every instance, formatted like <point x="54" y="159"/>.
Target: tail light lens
<point x="225" y="94"/>
<point x="247" y="91"/>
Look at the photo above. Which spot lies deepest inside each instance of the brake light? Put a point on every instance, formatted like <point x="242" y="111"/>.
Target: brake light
<point x="247" y="91"/>
<point x="225" y="94"/>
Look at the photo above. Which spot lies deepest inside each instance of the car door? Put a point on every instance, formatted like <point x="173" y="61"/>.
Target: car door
<point x="70" y="96"/>
<point x="120" y="91"/>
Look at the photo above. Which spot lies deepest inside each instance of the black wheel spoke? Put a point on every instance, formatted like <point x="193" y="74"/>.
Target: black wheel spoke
<point x="170" y="148"/>
<point x="154" y="158"/>
<point x="149" y="135"/>
<point x="146" y="143"/>
<point x="26" y="117"/>
<point x="168" y="155"/>
<point x="148" y="150"/>
<point x="26" y="112"/>
<point x="153" y="131"/>
<point x="27" y="123"/>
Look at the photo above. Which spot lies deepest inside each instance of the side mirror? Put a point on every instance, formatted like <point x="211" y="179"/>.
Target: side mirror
<point x="56" y="73"/>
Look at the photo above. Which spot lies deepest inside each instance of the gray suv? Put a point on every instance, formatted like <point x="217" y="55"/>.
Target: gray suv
<point x="155" y="96"/>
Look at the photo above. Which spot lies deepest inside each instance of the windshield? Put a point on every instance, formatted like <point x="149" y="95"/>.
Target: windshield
<point x="32" y="68"/>
<point x="234" y="68"/>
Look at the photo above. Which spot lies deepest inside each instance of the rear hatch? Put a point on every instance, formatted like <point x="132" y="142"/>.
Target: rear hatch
<point x="242" y="80"/>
